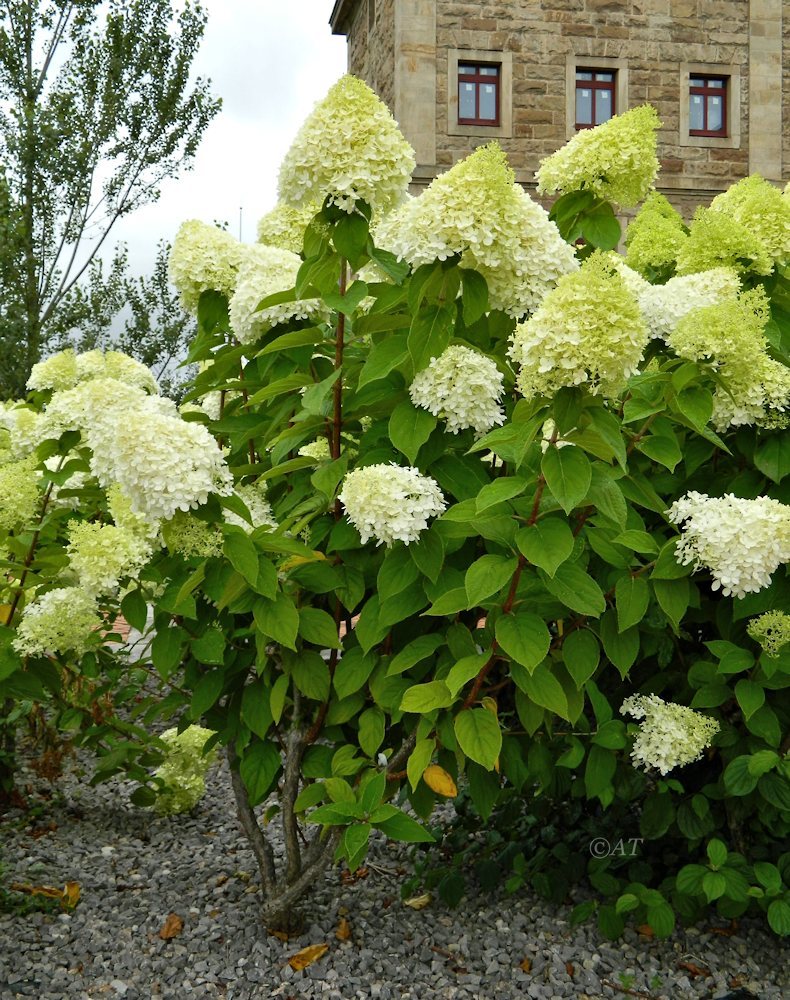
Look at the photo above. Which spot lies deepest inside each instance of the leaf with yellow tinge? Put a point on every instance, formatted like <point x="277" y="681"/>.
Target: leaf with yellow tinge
<point x="343" y="932"/>
<point x="71" y="895"/>
<point x="439" y="781"/>
<point x="418" y="902"/>
<point x="295" y="561"/>
<point x="172" y="927"/>
<point x="525" y="965"/>
<point x="307" y="956"/>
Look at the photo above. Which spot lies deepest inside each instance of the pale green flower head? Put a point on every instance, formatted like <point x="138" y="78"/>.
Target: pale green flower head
<point x="588" y="331"/>
<point x="102" y="555"/>
<point x="349" y="149"/>
<point x="66" y="369"/>
<point x="318" y="449"/>
<point x="771" y="630"/>
<point x="203" y="258"/>
<point x="264" y="271"/>
<point x="669" y="735"/>
<point x="390" y="503"/>
<point x="663" y="306"/>
<point x="254" y="496"/>
<point x="476" y="210"/>
<point x="718" y="239"/>
<point x="19" y="494"/>
<point x="22" y="429"/>
<point x="190" y="537"/>
<point x="61" y="621"/>
<point x="730" y="336"/>
<point x="741" y="542"/>
<point x="760" y="207"/>
<point x="284" y="226"/>
<point x="184" y="769"/>
<point x="616" y="160"/>
<point x="462" y="387"/>
<point x="654" y="236"/>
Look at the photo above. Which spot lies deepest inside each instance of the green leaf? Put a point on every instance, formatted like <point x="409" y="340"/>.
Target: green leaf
<point x="523" y="636"/>
<point x="209" y="647"/>
<point x="277" y="619"/>
<point x="599" y="226"/>
<point x="545" y="690"/>
<point x="318" y="627"/>
<point x="256" y="710"/>
<point x="259" y="767"/>
<point x="714" y="885"/>
<point x="414" y="652"/>
<point x="422" y="698"/>
<point x="409" y="428"/>
<point x="429" y="335"/>
<point x="568" y="474"/>
<point x="166" y="649"/>
<point x="428" y="554"/>
<point x="632" y="596"/>
<point x="662" y="448"/>
<point x="717" y="853"/>
<point x="673" y="598"/>
<point x="242" y="554"/>
<point x="355" y="844"/>
<point x="779" y="917"/>
<point x="206" y="692"/>
<point x="662" y="919"/>
<point x="581" y="654"/>
<point x="547" y="543"/>
<point x="311" y="675"/>
<point x="449" y="603"/>
<point x="750" y="696"/>
<point x="772" y="456"/>
<point x="278" y="695"/>
<point x="621" y="648"/>
<point x="353" y="670"/>
<point x="464" y="670"/>
<point x="479" y="736"/>
<point x="419" y="759"/>
<point x="474" y="296"/>
<point x="402" y="827"/>
<point x="667" y="567"/>
<point x="371" y="730"/>
<point x="576" y="589"/>
<point x="135" y="610"/>
<point x="500" y="490"/>
<point x="383" y="358"/>
<point x="601" y="765"/>
<point x="611" y="735"/>
<point x="487" y="576"/>
<point x="350" y="235"/>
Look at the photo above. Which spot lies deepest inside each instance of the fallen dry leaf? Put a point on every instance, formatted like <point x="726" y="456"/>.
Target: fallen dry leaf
<point x="343" y="932"/>
<point x="418" y="902"/>
<point x="525" y="965"/>
<point x="281" y="935"/>
<point x="645" y="930"/>
<point x="307" y="956"/>
<point x="172" y="927"/>
<point x="694" y="970"/>
<point x="50" y="891"/>
<point x="728" y="931"/>
<point x="439" y="781"/>
<point x="569" y="968"/>
<point x="70" y="895"/>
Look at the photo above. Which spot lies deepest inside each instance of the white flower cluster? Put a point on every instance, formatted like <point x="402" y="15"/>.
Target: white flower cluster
<point x="160" y="462"/>
<point x="349" y="149"/>
<point x="476" y="210"/>
<point x="103" y="554"/>
<point x="60" y="621"/>
<point x="462" y="387"/>
<point x="588" y="330"/>
<point x="183" y="771"/>
<point x="264" y="271"/>
<point x="390" y="503"/>
<point x="742" y="542"/>
<point x="284" y="226"/>
<point x="19" y="495"/>
<point x="254" y="496"/>
<point x="203" y="258"/>
<point x="670" y="735"/>
<point x="24" y="429"/>
<point x="67" y="369"/>
<point x="664" y="306"/>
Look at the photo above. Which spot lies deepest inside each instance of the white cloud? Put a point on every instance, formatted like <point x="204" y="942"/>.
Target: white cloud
<point x="269" y="62"/>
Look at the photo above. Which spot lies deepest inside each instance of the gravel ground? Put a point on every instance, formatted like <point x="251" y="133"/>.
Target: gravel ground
<point x="135" y="868"/>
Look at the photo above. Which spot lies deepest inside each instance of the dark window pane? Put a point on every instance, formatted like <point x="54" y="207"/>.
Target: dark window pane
<point x="489" y="70"/>
<point x="466" y="100"/>
<point x="582" y="74"/>
<point x="697" y="81"/>
<point x="466" y="69"/>
<point x="715" y="108"/>
<point x="696" y="113"/>
<point x="488" y="102"/>
<point x="583" y="106"/>
<point x="603" y="106"/>
<point x="717" y="84"/>
<point x="606" y="77"/>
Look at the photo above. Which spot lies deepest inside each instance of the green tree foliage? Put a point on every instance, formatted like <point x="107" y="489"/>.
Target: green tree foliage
<point x="96" y="110"/>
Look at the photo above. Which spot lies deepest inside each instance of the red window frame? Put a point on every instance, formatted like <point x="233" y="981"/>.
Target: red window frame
<point x="712" y="86"/>
<point x="478" y="78"/>
<point x="595" y="85"/>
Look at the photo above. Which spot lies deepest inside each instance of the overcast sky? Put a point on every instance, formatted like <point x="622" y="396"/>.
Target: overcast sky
<point x="269" y="61"/>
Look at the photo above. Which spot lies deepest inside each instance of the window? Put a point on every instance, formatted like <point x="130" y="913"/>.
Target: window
<point x="478" y="93"/>
<point x="708" y="105"/>
<point x="595" y="97"/>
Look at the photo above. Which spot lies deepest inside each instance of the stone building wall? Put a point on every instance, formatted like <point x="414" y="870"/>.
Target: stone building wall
<point x="651" y="44"/>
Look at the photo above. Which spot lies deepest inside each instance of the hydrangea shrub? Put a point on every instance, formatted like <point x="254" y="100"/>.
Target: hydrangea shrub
<point x="524" y="534"/>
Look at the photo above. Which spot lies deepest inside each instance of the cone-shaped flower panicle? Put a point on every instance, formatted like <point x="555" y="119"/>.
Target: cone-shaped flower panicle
<point x="588" y="331"/>
<point x="463" y="387"/>
<point x="742" y="542"/>
<point x="616" y="161"/>
<point x="655" y="236"/>
<point x="669" y="735"/>
<point x="19" y="494"/>
<point x="760" y="207"/>
<point x="284" y="226"/>
<point x="66" y="369"/>
<point x="664" y="306"/>
<point x="264" y="271"/>
<point x="390" y="503"/>
<point x="183" y="771"/>
<point x="103" y="554"/>
<point x="22" y="429"/>
<point x="730" y="336"/>
<point x="476" y="210"/>
<point x="60" y="621"/>
<point x="349" y="149"/>
<point x="203" y="258"/>
<point x="718" y="239"/>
